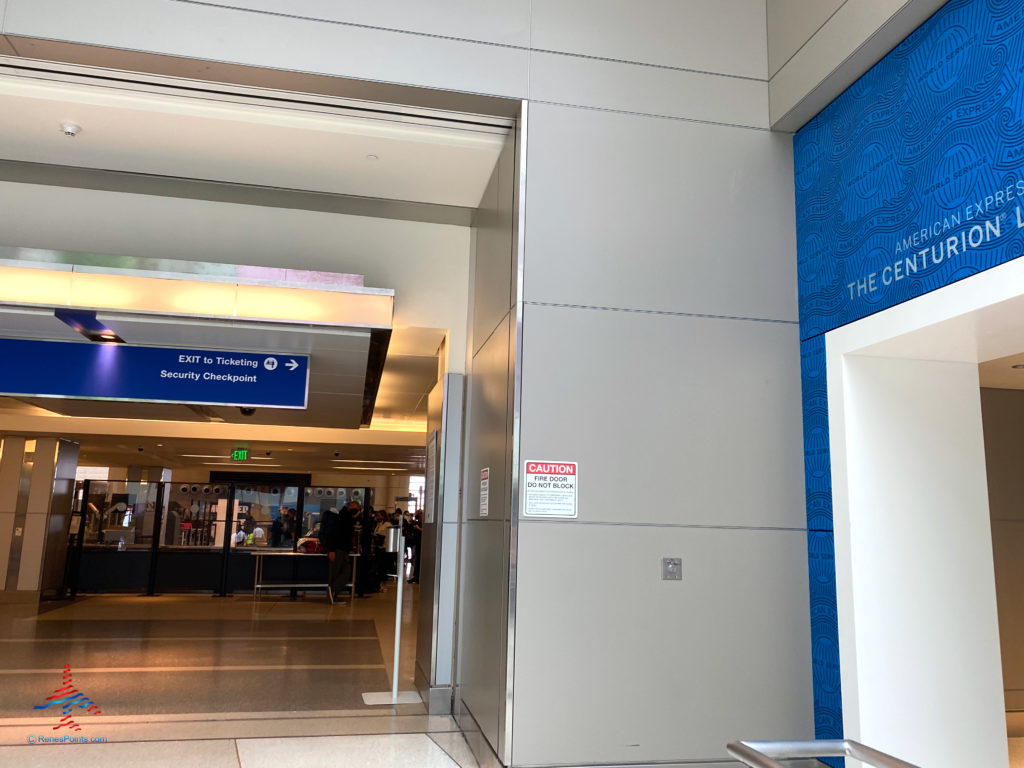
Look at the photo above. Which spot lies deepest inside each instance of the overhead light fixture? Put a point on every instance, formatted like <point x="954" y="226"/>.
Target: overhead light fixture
<point x="1019" y="365"/>
<point x="202" y="456"/>
<point x="77" y="287"/>
<point x="235" y="464"/>
<point x="373" y="158"/>
<point x="70" y="129"/>
<point x="371" y="469"/>
<point x="377" y="463"/>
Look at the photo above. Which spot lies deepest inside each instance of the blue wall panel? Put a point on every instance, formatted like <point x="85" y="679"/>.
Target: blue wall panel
<point x="914" y="177"/>
<point x="817" y="466"/>
<point x="828" y="705"/>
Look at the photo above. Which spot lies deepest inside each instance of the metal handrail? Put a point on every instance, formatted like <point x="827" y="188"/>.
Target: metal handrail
<point x="763" y="754"/>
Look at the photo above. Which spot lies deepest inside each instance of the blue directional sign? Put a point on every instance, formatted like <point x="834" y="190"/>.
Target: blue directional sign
<point x="91" y="371"/>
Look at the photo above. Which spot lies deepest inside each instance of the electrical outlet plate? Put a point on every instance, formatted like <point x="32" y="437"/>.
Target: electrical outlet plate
<point x="671" y="569"/>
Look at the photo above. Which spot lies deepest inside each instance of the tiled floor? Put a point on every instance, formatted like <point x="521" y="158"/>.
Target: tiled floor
<point x="416" y="750"/>
<point x="202" y="681"/>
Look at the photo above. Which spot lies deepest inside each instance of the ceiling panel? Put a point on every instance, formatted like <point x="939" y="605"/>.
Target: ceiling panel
<point x="1000" y="374"/>
<point x="114" y="410"/>
<point x="17" y="323"/>
<point x="304" y="147"/>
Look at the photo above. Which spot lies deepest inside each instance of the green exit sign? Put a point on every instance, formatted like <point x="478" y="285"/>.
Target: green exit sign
<point x="240" y="455"/>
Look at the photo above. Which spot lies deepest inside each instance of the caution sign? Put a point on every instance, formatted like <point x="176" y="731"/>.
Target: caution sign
<point x="551" y="488"/>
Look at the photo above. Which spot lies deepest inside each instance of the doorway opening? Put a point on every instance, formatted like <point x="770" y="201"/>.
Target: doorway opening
<point x="211" y="217"/>
<point x="920" y="501"/>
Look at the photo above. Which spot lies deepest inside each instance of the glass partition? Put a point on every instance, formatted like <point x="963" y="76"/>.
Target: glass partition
<point x="120" y="514"/>
<point x="195" y="516"/>
<point x="265" y="516"/>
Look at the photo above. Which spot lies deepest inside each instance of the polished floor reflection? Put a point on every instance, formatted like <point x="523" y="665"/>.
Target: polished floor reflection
<point x="416" y="750"/>
<point x="226" y="681"/>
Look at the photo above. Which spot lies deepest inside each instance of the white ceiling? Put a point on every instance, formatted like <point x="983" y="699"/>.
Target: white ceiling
<point x="303" y="146"/>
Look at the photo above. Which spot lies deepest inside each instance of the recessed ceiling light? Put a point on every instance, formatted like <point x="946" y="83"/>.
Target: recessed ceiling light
<point x="373" y="158"/>
<point x="1019" y="365"/>
<point x="70" y="129"/>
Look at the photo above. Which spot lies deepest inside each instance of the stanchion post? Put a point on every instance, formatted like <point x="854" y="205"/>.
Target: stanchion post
<point x="398" y="611"/>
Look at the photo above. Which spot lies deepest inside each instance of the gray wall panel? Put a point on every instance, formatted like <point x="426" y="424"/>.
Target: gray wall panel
<point x="673" y="419"/>
<point x="614" y="665"/>
<point x="852" y="40"/>
<point x="1003" y="414"/>
<point x="280" y="42"/>
<point x="791" y="23"/>
<point x="492" y="269"/>
<point x="506" y="22"/>
<point x="652" y="90"/>
<point x="709" y="35"/>
<point x="1007" y="545"/>
<point x="648" y="213"/>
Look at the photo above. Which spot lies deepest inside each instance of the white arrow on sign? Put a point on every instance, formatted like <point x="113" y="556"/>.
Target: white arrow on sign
<point x="292" y="365"/>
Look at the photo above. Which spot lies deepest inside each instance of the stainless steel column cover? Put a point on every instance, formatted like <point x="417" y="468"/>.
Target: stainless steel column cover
<point x="40" y="491"/>
<point x="483" y="697"/>
<point x="435" y="635"/>
<point x="44" y="509"/>
<point x="12" y="455"/>
<point x="519" y="211"/>
<point x="58" y="519"/>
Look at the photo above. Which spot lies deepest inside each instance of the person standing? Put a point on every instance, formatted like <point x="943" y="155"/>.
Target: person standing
<point x="414" y="535"/>
<point x="338" y="542"/>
